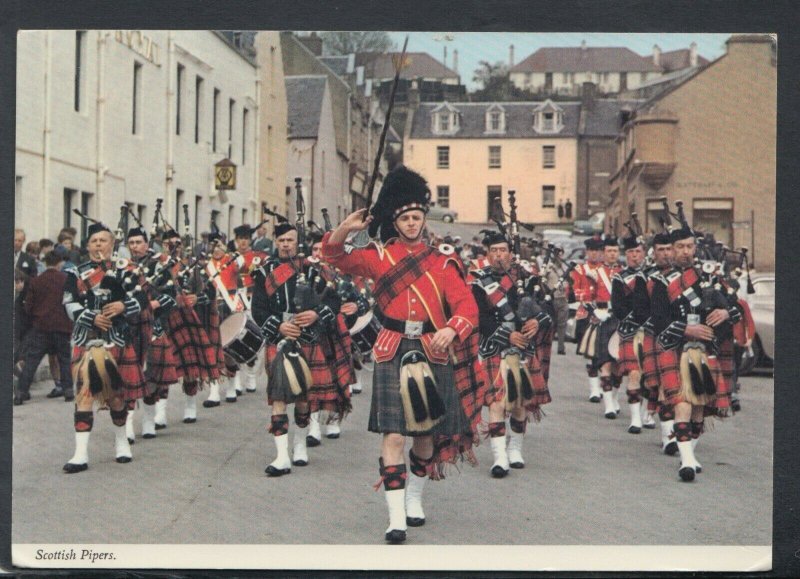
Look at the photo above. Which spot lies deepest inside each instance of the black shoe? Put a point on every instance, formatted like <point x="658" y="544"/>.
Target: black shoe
<point x="124" y="459"/>
<point x="562" y="352"/>
<point x="69" y="396"/>
<point x="649" y="426"/>
<point x="189" y="420"/>
<point x="18" y="400"/>
<point x="686" y="474"/>
<point x="415" y="521"/>
<point x="595" y="399"/>
<point x="634" y="430"/>
<point x="698" y="469"/>
<point x="395" y="537"/>
<point x="210" y="403"/>
<point x="56" y="393"/>
<point x="331" y="436"/>
<point x="160" y="426"/>
<point x="736" y="406"/>
<point x="498" y="471"/>
<point x="311" y="441"/>
<point x="671" y="449"/>
<point x="132" y="440"/>
<point x="231" y="399"/>
<point x="272" y="471"/>
<point x="300" y="462"/>
<point x="517" y="465"/>
<point x="149" y="435"/>
<point x="250" y="391"/>
<point x="611" y="415"/>
<point x="26" y="396"/>
<point x="240" y="392"/>
<point x="70" y="468"/>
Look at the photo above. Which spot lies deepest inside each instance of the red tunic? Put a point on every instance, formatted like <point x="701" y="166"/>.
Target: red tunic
<point x="422" y="301"/>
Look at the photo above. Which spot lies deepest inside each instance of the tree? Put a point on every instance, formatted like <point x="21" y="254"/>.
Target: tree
<point x="496" y="84"/>
<point x="348" y="41"/>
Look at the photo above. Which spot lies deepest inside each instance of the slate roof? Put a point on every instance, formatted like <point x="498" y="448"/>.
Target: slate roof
<point x="420" y="64"/>
<point x="337" y="64"/>
<point x="603" y="120"/>
<point x="679" y="59"/>
<point x="589" y="59"/>
<point x="519" y="121"/>
<point x="304" y="99"/>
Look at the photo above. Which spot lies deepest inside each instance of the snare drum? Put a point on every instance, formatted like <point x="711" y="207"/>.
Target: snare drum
<point x="241" y="337"/>
<point x="365" y="332"/>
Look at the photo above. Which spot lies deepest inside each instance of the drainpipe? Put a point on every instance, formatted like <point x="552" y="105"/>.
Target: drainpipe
<point x="168" y="209"/>
<point x="101" y="102"/>
<point x="258" y="195"/>
<point x="48" y="80"/>
<point x="310" y="208"/>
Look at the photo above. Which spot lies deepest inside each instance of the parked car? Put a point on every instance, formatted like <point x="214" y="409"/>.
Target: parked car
<point x="762" y="306"/>
<point x="555" y="234"/>
<point x="442" y="213"/>
<point x="590" y="226"/>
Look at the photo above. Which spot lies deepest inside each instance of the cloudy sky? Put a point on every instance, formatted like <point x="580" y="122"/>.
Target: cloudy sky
<point x="493" y="46"/>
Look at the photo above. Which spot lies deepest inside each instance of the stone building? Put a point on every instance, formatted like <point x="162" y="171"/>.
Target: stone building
<point x="709" y="141"/>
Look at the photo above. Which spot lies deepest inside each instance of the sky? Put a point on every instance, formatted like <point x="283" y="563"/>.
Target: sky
<point x="494" y="46"/>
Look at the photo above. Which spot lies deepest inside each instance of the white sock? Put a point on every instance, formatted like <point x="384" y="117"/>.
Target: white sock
<point x="515" y="447"/>
<point x="161" y="412"/>
<point x="233" y="386"/>
<point x="148" y="419"/>
<point x="81" y="455"/>
<point x="129" y="432"/>
<point x="608" y="401"/>
<point x="333" y="428"/>
<point x="396" y="501"/>
<point x="300" y="452"/>
<point x="282" y="461"/>
<point x="498" y="444"/>
<point x="190" y="410"/>
<point x="314" y="429"/>
<point x="666" y="432"/>
<point x="594" y="387"/>
<point x="122" y="447"/>
<point x="213" y="392"/>
<point x="636" y="414"/>
<point x="414" y="487"/>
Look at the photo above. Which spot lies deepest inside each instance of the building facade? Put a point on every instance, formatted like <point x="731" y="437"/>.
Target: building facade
<point x="471" y="153"/>
<point x="273" y="121"/>
<point x="710" y="142"/>
<point x="113" y="117"/>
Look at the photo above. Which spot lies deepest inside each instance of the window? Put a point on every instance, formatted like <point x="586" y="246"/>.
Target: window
<point x="86" y="200"/>
<point x="548" y="196"/>
<point x="494" y="157"/>
<point x="244" y="216"/>
<point x="548" y="122"/>
<point x="214" y="120"/>
<point x="444" y="122"/>
<point x="178" y="209"/>
<point x="178" y="99"/>
<point x="214" y="218"/>
<point x="70" y="198"/>
<point x="137" y="98"/>
<point x="443" y="195"/>
<point x="230" y="222"/>
<point x="198" y="101"/>
<point x="140" y="212"/>
<point x="494" y="122"/>
<point x="442" y="157"/>
<point x="493" y="192"/>
<point x="642" y="76"/>
<point x="244" y="135"/>
<point x="231" y="104"/>
<point x="80" y="59"/>
<point x="548" y="157"/>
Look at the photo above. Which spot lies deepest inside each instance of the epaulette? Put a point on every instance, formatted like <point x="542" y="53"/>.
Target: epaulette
<point x="446" y="249"/>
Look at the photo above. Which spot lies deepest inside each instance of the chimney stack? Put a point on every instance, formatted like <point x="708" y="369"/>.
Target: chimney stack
<point x="583" y="44"/>
<point x="693" y="54"/>
<point x="511" y="56"/>
<point x="413" y="96"/>
<point x="656" y="55"/>
<point x="588" y="95"/>
<point x="455" y="61"/>
<point x="444" y="61"/>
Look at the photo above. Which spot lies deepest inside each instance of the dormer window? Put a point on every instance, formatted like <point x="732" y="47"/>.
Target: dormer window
<point x="444" y="119"/>
<point x="495" y="119"/>
<point x="548" y="118"/>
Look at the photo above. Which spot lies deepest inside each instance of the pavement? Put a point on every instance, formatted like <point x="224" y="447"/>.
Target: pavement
<point x="586" y="480"/>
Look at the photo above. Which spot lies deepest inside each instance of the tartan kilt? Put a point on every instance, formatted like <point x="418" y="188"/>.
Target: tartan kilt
<point x="627" y="361"/>
<point x="604" y="333"/>
<point x="211" y="321"/>
<point x="128" y="366"/>
<point x="544" y="347"/>
<point x="386" y="413"/>
<point x="727" y="361"/>
<point x="541" y="393"/>
<point x="496" y="391"/>
<point x="197" y="357"/>
<point x="162" y="364"/>
<point x="668" y="363"/>
<point x="650" y="367"/>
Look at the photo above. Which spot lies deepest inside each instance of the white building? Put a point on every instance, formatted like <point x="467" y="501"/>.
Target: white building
<point x="107" y="117"/>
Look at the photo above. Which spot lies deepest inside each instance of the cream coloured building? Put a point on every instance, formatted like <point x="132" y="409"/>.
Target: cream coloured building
<point x="473" y="152"/>
<point x="112" y="117"/>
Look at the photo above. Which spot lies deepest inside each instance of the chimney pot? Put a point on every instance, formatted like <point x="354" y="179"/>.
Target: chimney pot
<point x="656" y="55"/>
<point x="693" y="54"/>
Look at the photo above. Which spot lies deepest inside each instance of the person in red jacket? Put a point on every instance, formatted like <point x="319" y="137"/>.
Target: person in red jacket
<point x="50" y="330"/>
<point x="428" y="382"/>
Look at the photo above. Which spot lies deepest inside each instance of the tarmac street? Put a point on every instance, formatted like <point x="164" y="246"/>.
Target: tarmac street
<point x="586" y="480"/>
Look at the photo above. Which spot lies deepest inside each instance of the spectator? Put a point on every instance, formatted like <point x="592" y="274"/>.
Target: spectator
<point x="20" y="323"/>
<point x="45" y="247"/>
<point x="262" y="242"/>
<point x="568" y="209"/>
<point x="23" y="260"/>
<point x="203" y="246"/>
<point x="50" y="330"/>
<point x="67" y="241"/>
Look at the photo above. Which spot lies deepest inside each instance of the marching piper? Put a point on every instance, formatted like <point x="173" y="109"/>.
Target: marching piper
<point x="105" y="363"/>
<point x="690" y="316"/>
<point x="306" y="366"/>
<point x="428" y="382"/>
<point x="509" y="323"/>
<point x="582" y="290"/>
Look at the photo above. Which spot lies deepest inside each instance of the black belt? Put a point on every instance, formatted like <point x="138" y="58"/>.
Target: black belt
<point x="400" y="325"/>
<point x="601" y="305"/>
